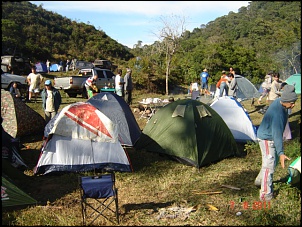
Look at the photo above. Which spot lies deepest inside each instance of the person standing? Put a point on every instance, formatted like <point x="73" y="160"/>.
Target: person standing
<point x="34" y="80"/>
<point x="204" y="78"/>
<point x="48" y="65"/>
<point x="270" y="137"/>
<point x="266" y="87"/>
<point x="222" y="84"/>
<point x="275" y="93"/>
<point x="232" y="85"/>
<point x="67" y="65"/>
<point x="128" y="86"/>
<point x="51" y="100"/>
<point x="119" y="83"/>
<point x="232" y="71"/>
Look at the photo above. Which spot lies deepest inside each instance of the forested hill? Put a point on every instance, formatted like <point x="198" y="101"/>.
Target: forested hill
<point x="39" y="34"/>
<point x="262" y="37"/>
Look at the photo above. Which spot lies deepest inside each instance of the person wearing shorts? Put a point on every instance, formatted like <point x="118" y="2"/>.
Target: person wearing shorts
<point x="34" y="80"/>
<point x="204" y="77"/>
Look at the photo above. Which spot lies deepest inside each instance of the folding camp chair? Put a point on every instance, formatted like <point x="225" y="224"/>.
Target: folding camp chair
<point x="97" y="196"/>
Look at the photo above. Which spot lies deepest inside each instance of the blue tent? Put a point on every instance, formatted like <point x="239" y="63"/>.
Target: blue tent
<point x="41" y="67"/>
<point x="54" y="68"/>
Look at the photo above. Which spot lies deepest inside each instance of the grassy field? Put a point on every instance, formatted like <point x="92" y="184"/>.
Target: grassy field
<point x="162" y="192"/>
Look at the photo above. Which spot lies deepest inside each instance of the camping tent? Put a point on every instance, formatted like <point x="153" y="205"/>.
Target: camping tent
<point x="41" y="67"/>
<point x="294" y="170"/>
<point x="236" y="118"/>
<point x="55" y="68"/>
<point x="295" y="80"/>
<point x="189" y="131"/>
<point x="10" y="148"/>
<point x="81" y="138"/>
<point x="118" y="111"/>
<point x="11" y="195"/>
<point x="245" y="89"/>
<point x="18" y="118"/>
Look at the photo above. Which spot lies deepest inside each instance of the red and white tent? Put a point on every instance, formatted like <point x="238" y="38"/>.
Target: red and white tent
<point x="81" y="138"/>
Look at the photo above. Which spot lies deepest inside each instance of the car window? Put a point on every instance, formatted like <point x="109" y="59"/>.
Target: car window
<point x="100" y="73"/>
<point x="109" y="74"/>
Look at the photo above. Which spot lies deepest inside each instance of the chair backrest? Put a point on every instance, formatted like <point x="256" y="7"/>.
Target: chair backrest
<point x="98" y="195"/>
<point x="98" y="186"/>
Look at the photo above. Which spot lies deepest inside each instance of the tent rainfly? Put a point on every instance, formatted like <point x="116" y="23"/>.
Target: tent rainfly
<point x="295" y="80"/>
<point x="18" y="118"/>
<point x="11" y="195"/>
<point x="236" y="118"/>
<point x="81" y="138"/>
<point x="190" y="132"/>
<point x="119" y="112"/>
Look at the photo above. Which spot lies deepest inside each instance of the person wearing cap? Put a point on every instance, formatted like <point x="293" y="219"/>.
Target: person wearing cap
<point x="51" y="100"/>
<point x="128" y="86"/>
<point x="34" y="80"/>
<point x="270" y="137"/>
<point x="204" y="78"/>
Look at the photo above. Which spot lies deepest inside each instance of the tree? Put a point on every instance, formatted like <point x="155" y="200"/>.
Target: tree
<point x="171" y="30"/>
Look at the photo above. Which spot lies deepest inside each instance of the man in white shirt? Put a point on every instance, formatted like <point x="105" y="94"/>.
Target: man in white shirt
<point x="119" y="83"/>
<point x="34" y="80"/>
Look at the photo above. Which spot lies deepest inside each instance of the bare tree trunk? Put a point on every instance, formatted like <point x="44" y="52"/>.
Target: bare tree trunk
<point x="170" y="33"/>
<point x="167" y="74"/>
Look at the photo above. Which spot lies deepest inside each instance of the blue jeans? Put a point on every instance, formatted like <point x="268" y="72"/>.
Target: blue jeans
<point x="224" y="87"/>
<point x="204" y="85"/>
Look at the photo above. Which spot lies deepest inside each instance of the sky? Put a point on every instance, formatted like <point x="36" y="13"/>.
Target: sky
<point x="128" y="22"/>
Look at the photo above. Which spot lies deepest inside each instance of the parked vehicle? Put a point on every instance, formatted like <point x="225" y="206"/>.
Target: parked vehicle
<point x="19" y="65"/>
<point x="74" y="85"/>
<point x="8" y="79"/>
<point x="83" y="65"/>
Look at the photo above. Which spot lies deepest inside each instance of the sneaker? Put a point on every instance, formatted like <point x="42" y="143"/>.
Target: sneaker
<point x="268" y="198"/>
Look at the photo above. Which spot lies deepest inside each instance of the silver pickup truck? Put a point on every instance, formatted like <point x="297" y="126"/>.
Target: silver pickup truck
<point x="74" y="85"/>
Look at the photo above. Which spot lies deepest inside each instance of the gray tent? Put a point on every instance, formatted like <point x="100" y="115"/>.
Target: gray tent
<point x="119" y="112"/>
<point x="245" y="89"/>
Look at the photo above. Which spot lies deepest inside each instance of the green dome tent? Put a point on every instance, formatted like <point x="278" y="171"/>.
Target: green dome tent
<point x="11" y="195"/>
<point x="189" y="131"/>
<point x="295" y="80"/>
